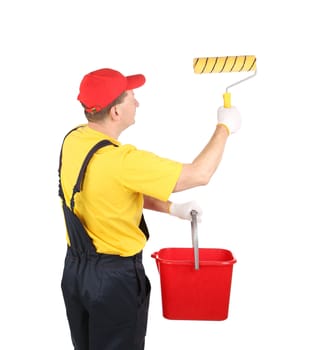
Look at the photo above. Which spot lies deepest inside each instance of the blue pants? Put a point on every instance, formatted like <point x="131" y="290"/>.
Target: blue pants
<point x="107" y="301"/>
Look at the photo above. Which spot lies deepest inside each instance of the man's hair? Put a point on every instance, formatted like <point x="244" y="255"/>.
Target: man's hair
<point x="98" y="116"/>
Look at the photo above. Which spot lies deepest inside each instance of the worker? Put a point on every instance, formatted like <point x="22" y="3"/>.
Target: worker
<point x="104" y="186"/>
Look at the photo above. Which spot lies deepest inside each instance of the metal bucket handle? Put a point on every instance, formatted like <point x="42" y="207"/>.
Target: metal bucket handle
<point x="195" y="238"/>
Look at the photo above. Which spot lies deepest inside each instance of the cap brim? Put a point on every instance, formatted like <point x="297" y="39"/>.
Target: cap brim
<point x="135" y="81"/>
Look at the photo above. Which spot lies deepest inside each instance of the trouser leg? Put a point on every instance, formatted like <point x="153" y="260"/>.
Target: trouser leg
<point x="107" y="302"/>
<point x="77" y="315"/>
<point x="118" y="318"/>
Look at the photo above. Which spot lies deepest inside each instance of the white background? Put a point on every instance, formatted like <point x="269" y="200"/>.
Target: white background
<point x="263" y="203"/>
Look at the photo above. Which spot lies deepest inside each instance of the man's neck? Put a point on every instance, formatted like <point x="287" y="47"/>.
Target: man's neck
<point x="104" y="129"/>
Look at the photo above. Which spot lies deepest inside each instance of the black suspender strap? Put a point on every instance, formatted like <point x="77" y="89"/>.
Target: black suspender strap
<point x="81" y="176"/>
<point x="60" y="192"/>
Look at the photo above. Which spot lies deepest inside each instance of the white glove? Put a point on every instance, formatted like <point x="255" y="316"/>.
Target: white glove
<point x="230" y="117"/>
<point x="183" y="210"/>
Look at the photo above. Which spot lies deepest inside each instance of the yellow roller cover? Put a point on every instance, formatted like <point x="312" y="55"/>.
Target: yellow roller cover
<point x="224" y="64"/>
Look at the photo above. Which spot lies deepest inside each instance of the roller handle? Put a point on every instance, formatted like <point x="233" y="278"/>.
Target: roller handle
<point x="195" y="238"/>
<point x="227" y="100"/>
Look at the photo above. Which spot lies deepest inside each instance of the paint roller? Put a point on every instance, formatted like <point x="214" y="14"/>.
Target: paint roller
<point x="226" y="64"/>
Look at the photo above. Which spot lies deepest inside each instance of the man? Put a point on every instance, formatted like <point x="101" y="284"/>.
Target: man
<point x="104" y="186"/>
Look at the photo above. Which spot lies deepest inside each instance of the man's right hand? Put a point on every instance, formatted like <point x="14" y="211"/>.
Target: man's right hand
<point x="230" y="118"/>
<point x="183" y="210"/>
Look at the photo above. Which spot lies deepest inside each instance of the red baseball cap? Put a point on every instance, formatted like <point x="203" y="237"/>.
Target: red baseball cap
<point x="101" y="87"/>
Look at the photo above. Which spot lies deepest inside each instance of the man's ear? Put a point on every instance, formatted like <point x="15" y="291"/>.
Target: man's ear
<point x="114" y="113"/>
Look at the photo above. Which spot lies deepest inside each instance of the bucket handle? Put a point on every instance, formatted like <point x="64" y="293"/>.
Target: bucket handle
<point x="195" y="238"/>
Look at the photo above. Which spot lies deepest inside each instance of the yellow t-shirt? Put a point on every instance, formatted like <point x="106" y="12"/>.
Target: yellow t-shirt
<point x="111" y="201"/>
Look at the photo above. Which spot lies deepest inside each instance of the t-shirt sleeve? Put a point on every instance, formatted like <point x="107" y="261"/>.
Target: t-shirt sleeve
<point x="147" y="173"/>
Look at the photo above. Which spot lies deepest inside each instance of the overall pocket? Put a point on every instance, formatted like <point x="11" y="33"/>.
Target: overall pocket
<point x="143" y="308"/>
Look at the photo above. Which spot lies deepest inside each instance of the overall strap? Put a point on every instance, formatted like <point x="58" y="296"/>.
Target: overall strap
<point x="80" y="241"/>
<point x="80" y="180"/>
<point x="60" y="191"/>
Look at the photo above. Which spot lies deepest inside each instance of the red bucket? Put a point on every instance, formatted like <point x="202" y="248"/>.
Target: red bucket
<point x="195" y="291"/>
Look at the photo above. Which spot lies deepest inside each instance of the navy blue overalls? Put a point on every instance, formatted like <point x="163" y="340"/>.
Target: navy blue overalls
<point x="106" y="296"/>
